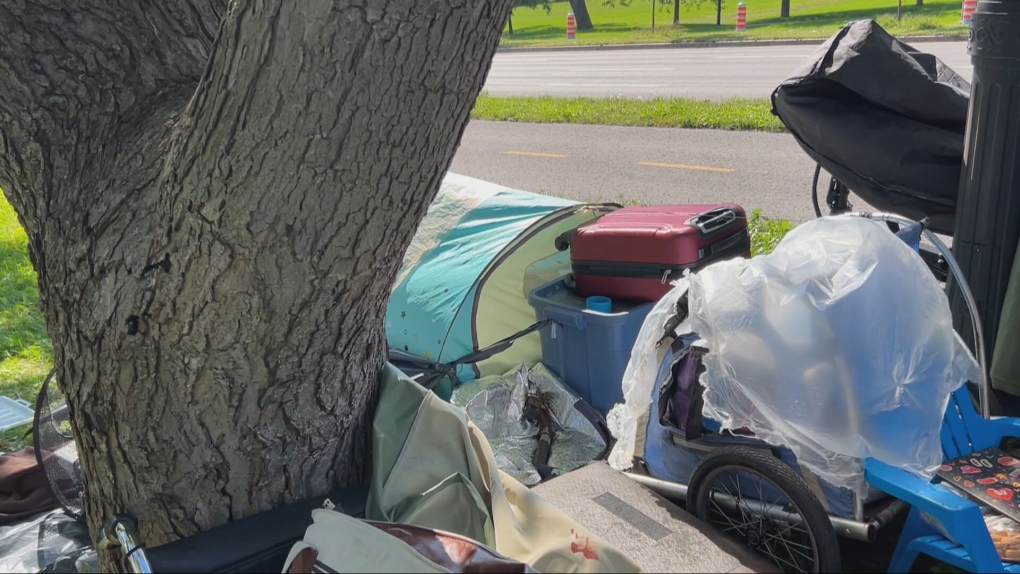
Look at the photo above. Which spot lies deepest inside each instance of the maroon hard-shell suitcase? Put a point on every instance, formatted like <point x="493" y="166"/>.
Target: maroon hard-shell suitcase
<point x="634" y="253"/>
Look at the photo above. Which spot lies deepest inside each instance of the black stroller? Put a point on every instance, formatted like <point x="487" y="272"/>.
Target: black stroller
<point x="886" y="120"/>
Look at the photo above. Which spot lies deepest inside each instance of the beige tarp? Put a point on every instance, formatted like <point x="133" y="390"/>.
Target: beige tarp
<point x="433" y="468"/>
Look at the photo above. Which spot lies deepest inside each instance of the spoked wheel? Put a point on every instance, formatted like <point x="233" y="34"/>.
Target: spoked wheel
<point x="757" y="499"/>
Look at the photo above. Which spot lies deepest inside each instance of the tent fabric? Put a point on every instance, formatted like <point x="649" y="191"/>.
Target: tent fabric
<point x="885" y="119"/>
<point x="433" y="468"/>
<point x="463" y="279"/>
<point x="1005" y="370"/>
<point x="502" y="307"/>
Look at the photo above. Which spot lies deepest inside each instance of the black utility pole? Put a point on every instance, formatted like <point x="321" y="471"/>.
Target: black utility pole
<point x="988" y="208"/>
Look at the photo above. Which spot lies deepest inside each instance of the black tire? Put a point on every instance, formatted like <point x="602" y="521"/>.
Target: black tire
<point x="820" y="536"/>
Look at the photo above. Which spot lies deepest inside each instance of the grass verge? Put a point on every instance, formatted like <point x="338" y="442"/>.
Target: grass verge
<point x="809" y="19"/>
<point x="731" y="114"/>
<point x="766" y="233"/>
<point x="26" y="355"/>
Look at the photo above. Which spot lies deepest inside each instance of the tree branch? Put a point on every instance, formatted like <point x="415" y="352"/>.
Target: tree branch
<point x="72" y="72"/>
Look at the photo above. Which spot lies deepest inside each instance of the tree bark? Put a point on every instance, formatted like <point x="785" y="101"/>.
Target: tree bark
<point x="784" y="9"/>
<point x="217" y="200"/>
<point x="676" y="12"/>
<point x="581" y="17"/>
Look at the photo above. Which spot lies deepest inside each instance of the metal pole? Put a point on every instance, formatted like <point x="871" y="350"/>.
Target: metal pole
<point x="121" y="532"/>
<point x="862" y="531"/>
<point x="988" y="209"/>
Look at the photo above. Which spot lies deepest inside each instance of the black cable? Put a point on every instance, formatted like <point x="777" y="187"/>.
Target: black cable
<point x="814" y="190"/>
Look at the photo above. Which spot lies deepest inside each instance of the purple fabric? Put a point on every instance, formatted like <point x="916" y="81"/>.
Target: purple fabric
<point x="684" y="373"/>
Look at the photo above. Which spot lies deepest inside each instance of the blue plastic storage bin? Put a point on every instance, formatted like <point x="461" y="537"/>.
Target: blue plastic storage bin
<point x="588" y="349"/>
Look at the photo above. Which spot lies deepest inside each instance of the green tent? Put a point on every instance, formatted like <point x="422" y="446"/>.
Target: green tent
<point x="1005" y="371"/>
<point x="465" y="278"/>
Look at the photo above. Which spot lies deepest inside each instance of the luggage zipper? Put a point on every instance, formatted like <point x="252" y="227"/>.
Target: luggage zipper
<point x="631" y="270"/>
<point x="730" y="246"/>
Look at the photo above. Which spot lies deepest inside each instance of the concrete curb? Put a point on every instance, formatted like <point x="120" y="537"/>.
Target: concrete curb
<point x="718" y="44"/>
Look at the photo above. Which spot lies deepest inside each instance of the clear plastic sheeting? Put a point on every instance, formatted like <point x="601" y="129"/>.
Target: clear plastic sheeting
<point x="47" y="542"/>
<point x="496" y="405"/>
<point x="839" y="345"/>
<point x="625" y="419"/>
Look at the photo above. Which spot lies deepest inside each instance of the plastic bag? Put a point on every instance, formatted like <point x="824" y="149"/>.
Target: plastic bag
<point x="47" y="542"/>
<point x="1004" y="531"/>
<point x="1005" y="534"/>
<point x="839" y="345"/>
<point x="496" y="405"/>
<point x="639" y="378"/>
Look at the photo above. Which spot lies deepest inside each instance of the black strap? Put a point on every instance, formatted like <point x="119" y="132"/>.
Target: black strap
<point x="679" y="316"/>
<point x="437" y="371"/>
<point x="498" y="346"/>
<point x="695" y="427"/>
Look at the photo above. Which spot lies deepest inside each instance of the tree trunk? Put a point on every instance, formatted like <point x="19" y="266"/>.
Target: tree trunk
<point x="510" y="24"/>
<point x="676" y="12"/>
<point x="784" y="9"/>
<point x="217" y="201"/>
<point x="920" y="2"/>
<point x="718" y="12"/>
<point x="581" y="17"/>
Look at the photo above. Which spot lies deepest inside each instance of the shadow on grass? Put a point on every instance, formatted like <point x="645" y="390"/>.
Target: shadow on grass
<point x="930" y="18"/>
<point x="557" y="31"/>
<point x="843" y="16"/>
<point x="25" y="350"/>
<point x="21" y="323"/>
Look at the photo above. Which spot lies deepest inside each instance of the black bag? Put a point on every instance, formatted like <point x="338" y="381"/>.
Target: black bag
<point x="684" y="393"/>
<point x="258" y="543"/>
<point x="885" y="119"/>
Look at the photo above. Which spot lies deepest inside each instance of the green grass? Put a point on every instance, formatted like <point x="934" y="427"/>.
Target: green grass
<point x="809" y="19"/>
<point x="25" y="350"/>
<point x="732" y="114"/>
<point x="766" y="233"/>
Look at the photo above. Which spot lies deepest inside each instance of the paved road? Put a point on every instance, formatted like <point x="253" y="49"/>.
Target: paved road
<point x="708" y="73"/>
<point x="653" y="165"/>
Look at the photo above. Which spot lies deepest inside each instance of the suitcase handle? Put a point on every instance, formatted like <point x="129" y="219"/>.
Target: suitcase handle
<point x="725" y="245"/>
<point x="713" y="221"/>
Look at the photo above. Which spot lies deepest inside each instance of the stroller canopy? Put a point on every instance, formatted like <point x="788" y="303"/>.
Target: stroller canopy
<point x="464" y="280"/>
<point x="886" y="120"/>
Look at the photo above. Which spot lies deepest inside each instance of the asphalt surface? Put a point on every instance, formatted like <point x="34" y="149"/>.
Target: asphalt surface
<point x="651" y="165"/>
<point x="706" y="73"/>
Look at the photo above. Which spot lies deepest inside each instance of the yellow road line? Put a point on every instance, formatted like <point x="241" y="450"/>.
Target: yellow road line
<point x="536" y="154"/>
<point x="682" y="166"/>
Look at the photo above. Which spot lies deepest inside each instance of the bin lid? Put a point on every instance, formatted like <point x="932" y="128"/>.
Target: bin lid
<point x="14" y="413"/>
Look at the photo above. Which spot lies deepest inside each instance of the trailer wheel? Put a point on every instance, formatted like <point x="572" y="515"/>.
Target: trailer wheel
<point x="759" y="500"/>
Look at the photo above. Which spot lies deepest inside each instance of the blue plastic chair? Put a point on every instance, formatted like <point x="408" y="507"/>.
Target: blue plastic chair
<point x="969" y="546"/>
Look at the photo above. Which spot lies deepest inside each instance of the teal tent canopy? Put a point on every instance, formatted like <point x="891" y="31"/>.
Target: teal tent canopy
<point x="464" y="280"/>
